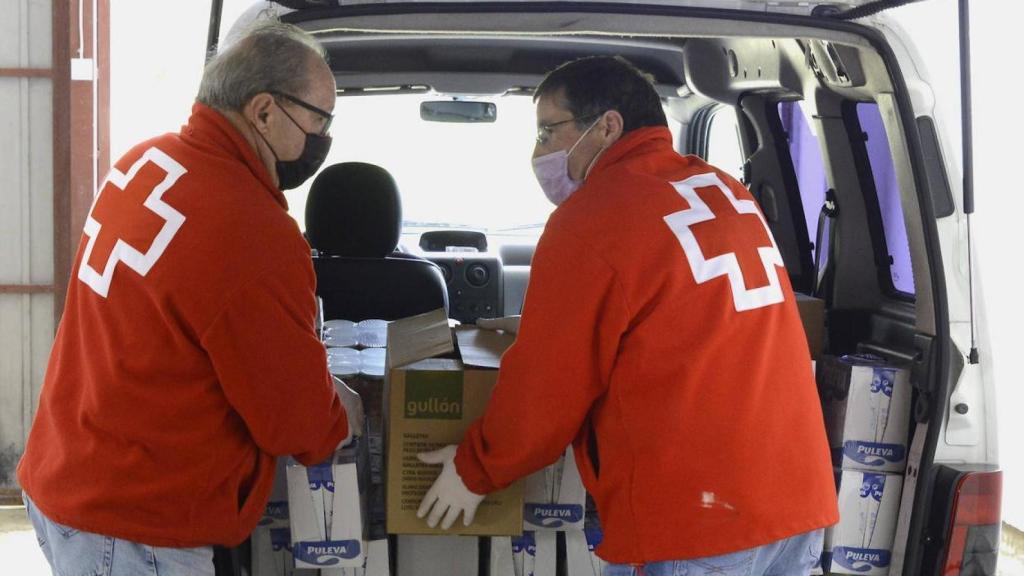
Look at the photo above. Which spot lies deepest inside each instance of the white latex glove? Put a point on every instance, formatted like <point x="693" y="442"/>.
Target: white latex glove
<point x="449" y="495"/>
<point x="508" y="324"/>
<point x="353" y="410"/>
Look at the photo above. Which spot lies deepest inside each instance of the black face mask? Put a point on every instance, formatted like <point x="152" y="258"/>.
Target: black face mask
<point x="292" y="173"/>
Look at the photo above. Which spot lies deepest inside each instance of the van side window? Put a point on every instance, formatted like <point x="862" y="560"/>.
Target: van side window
<point x="887" y="189"/>
<point x="808" y="167"/>
<point x="724" y="150"/>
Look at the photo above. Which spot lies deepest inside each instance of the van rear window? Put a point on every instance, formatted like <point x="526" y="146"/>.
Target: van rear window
<point x="888" y="191"/>
<point x="805" y="151"/>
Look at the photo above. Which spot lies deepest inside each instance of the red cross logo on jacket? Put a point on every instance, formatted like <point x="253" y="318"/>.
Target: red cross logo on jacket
<point x="751" y="247"/>
<point x="129" y="221"/>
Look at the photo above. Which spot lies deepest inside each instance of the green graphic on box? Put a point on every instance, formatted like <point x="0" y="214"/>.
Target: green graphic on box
<point x="433" y="395"/>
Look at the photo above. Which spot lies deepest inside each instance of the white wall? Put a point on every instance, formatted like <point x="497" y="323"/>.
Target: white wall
<point x="26" y="220"/>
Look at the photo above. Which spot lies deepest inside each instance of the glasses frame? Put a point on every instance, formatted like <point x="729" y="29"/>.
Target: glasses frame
<point x="303" y="104"/>
<point x="550" y="128"/>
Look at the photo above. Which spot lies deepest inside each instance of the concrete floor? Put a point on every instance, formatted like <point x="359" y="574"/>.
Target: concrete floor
<point x="19" y="552"/>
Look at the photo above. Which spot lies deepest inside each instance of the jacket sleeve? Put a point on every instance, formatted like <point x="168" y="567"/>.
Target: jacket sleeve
<point x="273" y="369"/>
<point x="573" y="318"/>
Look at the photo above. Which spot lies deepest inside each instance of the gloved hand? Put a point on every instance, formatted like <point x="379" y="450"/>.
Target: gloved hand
<point x="449" y="495"/>
<point x="508" y="324"/>
<point x="353" y="410"/>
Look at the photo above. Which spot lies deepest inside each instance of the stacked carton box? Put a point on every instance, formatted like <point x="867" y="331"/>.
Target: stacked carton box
<point x="580" y="556"/>
<point x="419" y="555"/>
<point x="270" y="544"/>
<point x="430" y="403"/>
<point x="529" y="554"/>
<point x="866" y="403"/>
<point x="868" y="505"/>
<point x="554" y="498"/>
<point x="327" y="509"/>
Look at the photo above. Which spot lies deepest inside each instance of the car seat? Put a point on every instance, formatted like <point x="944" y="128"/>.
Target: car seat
<point x="353" y="221"/>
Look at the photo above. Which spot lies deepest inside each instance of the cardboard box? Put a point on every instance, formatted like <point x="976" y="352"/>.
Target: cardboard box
<point x="866" y="404"/>
<point x="812" y="315"/>
<point x="554" y="497"/>
<point x="272" y="552"/>
<point x="430" y="403"/>
<point x="276" y="512"/>
<point x="581" y="559"/>
<point x="530" y="554"/>
<point x="868" y="507"/>
<point x="327" y="509"/>
<point x="441" y="555"/>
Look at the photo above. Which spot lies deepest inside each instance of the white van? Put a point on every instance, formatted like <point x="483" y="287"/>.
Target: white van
<point x="822" y="110"/>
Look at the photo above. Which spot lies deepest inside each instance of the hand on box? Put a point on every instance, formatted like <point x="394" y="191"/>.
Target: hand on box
<point x="508" y="324"/>
<point x="449" y="495"/>
<point x="353" y="410"/>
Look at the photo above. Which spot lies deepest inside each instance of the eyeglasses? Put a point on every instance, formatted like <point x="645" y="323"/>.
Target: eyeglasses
<point x="544" y="131"/>
<point x="318" y="111"/>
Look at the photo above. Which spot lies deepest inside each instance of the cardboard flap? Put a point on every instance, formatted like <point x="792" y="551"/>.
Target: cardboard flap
<point x="482" y="348"/>
<point x="418" y="337"/>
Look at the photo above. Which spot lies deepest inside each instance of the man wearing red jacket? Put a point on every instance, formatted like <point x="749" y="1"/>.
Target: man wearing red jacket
<point x="186" y="361"/>
<point x="660" y="336"/>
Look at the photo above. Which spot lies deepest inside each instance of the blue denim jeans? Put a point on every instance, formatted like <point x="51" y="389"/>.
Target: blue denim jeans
<point x="792" y="556"/>
<point x="72" y="552"/>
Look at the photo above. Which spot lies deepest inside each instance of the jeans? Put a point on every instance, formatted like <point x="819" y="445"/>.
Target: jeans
<point x="792" y="556"/>
<point x="72" y="552"/>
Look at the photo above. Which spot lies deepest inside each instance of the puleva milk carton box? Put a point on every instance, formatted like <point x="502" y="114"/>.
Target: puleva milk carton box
<point x="430" y="403"/>
<point x="581" y="559"/>
<point x="377" y="562"/>
<point x="529" y="554"/>
<point x="554" y="497"/>
<point x="272" y="551"/>
<point x="868" y="507"/>
<point x="327" y="508"/>
<point x="420" y="555"/>
<point x="866" y="403"/>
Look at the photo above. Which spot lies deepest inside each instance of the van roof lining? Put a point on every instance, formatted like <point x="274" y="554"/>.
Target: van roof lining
<point x="551" y="24"/>
<point x="458" y="63"/>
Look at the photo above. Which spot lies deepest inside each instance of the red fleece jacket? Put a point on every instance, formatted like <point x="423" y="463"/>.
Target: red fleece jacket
<point x="186" y="360"/>
<point x="661" y="337"/>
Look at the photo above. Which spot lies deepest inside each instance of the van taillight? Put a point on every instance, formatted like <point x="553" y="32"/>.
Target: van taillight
<point x="973" y="542"/>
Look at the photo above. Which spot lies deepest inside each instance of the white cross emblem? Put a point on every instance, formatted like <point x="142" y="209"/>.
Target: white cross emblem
<point x="725" y="264"/>
<point x="99" y="281"/>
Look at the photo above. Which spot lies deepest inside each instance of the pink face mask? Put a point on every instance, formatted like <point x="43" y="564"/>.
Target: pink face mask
<point x="552" y="171"/>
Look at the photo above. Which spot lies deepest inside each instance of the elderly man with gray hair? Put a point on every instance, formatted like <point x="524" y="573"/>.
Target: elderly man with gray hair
<point x="186" y="362"/>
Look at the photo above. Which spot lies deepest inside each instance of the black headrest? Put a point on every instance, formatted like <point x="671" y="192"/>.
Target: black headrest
<point x="354" y="210"/>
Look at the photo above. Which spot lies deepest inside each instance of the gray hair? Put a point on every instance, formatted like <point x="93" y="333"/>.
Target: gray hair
<point x="271" y="56"/>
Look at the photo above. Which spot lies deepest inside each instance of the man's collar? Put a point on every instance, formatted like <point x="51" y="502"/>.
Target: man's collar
<point x="639" y="140"/>
<point x="212" y="127"/>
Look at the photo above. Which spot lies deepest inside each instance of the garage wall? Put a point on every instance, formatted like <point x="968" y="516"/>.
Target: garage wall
<point x="26" y="218"/>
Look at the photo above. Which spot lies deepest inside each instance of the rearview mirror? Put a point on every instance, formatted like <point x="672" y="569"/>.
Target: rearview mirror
<point x="458" y="111"/>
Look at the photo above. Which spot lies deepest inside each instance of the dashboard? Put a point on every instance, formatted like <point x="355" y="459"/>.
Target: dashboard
<point x="480" y="283"/>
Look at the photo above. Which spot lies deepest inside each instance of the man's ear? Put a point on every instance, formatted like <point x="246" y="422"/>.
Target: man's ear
<point x="612" y="127"/>
<point x="259" y="110"/>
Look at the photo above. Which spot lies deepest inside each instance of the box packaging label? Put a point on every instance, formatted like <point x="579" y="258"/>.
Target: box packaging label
<point x="554" y="496"/>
